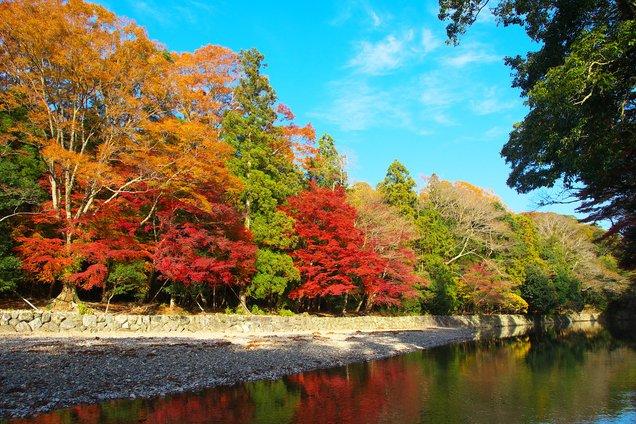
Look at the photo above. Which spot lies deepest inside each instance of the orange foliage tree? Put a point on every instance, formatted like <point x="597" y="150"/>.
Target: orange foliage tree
<point x="111" y="113"/>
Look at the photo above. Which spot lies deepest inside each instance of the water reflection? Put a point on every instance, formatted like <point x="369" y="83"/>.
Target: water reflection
<point x="576" y="376"/>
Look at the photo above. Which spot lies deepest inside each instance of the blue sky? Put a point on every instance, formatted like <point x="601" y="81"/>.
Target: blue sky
<point x="376" y="75"/>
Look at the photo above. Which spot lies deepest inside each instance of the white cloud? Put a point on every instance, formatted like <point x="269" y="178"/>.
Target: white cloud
<point x="430" y="102"/>
<point x="355" y="106"/>
<point x="429" y="41"/>
<point x="491" y="101"/>
<point x="496" y="132"/>
<point x="471" y="54"/>
<point x="190" y="12"/>
<point x="443" y="119"/>
<point x="393" y="51"/>
<point x="375" y="18"/>
<point x="436" y="90"/>
<point x="386" y="55"/>
<point x="361" y="11"/>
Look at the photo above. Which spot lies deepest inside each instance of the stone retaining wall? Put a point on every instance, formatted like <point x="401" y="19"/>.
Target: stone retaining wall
<point x="31" y="321"/>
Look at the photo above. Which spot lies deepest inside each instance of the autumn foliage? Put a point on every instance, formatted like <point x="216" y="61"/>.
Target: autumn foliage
<point x="130" y="170"/>
<point x="205" y="248"/>
<point x="333" y="257"/>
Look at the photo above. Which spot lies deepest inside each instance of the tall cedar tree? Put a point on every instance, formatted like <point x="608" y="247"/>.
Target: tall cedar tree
<point x="326" y="167"/>
<point x="265" y="160"/>
<point x="398" y="189"/>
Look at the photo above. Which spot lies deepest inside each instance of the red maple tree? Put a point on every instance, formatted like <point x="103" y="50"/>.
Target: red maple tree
<point x="332" y="258"/>
<point x="204" y="246"/>
<point x="107" y="236"/>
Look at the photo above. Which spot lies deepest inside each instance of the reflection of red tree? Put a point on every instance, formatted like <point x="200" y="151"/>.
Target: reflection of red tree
<point x="360" y="393"/>
<point x="383" y="391"/>
<point x="85" y="414"/>
<point x="224" y="405"/>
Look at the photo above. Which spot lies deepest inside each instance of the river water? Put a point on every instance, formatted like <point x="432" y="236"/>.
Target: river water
<point x="584" y="376"/>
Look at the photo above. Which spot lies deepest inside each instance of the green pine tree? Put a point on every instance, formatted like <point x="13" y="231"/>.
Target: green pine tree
<point x="398" y="189"/>
<point x="263" y="161"/>
<point x="326" y="168"/>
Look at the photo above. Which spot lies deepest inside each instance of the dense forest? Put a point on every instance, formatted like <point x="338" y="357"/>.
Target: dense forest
<point x="132" y="173"/>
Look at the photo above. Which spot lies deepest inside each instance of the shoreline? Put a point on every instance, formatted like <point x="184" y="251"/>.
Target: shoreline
<point x="43" y="373"/>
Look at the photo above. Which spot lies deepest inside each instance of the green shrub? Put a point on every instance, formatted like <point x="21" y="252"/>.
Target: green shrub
<point x="127" y="278"/>
<point x="596" y="298"/>
<point x="83" y="309"/>
<point x="441" y="298"/>
<point x="257" y="311"/>
<point x="539" y="291"/>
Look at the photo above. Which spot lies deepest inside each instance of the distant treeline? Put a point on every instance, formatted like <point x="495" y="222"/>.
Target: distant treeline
<point x="129" y="172"/>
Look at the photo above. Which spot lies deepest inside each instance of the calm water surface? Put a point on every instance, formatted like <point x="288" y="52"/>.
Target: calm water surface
<point x="576" y="376"/>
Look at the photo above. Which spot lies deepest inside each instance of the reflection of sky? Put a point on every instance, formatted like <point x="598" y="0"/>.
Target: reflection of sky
<point x="377" y="76"/>
<point x="627" y="417"/>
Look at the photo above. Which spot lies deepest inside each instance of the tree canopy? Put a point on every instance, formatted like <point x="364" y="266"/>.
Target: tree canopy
<point x="579" y="86"/>
<point x="130" y="172"/>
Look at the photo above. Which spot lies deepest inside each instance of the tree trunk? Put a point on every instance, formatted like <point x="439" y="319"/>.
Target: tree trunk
<point x="369" y="305"/>
<point x="243" y="299"/>
<point x="344" y="307"/>
<point x="173" y="301"/>
<point x="105" y="296"/>
<point x="67" y="299"/>
<point x="359" y="305"/>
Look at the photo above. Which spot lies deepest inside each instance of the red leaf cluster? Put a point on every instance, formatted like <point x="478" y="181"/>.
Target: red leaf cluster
<point x="208" y="248"/>
<point x="333" y="258"/>
<point x="107" y="236"/>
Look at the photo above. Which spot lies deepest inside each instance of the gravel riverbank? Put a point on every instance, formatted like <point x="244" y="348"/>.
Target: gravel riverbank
<point x="43" y="373"/>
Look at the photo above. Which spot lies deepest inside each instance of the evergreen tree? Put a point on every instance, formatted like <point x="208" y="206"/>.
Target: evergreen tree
<point x="20" y="170"/>
<point x="326" y="168"/>
<point x="398" y="189"/>
<point x="264" y="162"/>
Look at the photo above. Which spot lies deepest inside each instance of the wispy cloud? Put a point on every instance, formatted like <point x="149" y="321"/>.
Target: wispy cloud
<point x="355" y="105"/>
<point x="443" y="119"/>
<point x="496" y="132"/>
<point x="173" y="15"/>
<point x="472" y="53"/>
<point x="429" y="41"/>
<point x="359" y="10"/>
<point x="375" y="18"/>
<point x="393" y="51"/>
<point x="491" y="100"/>
<point x="436" y="89"/>
<point x="386" y="55"/>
